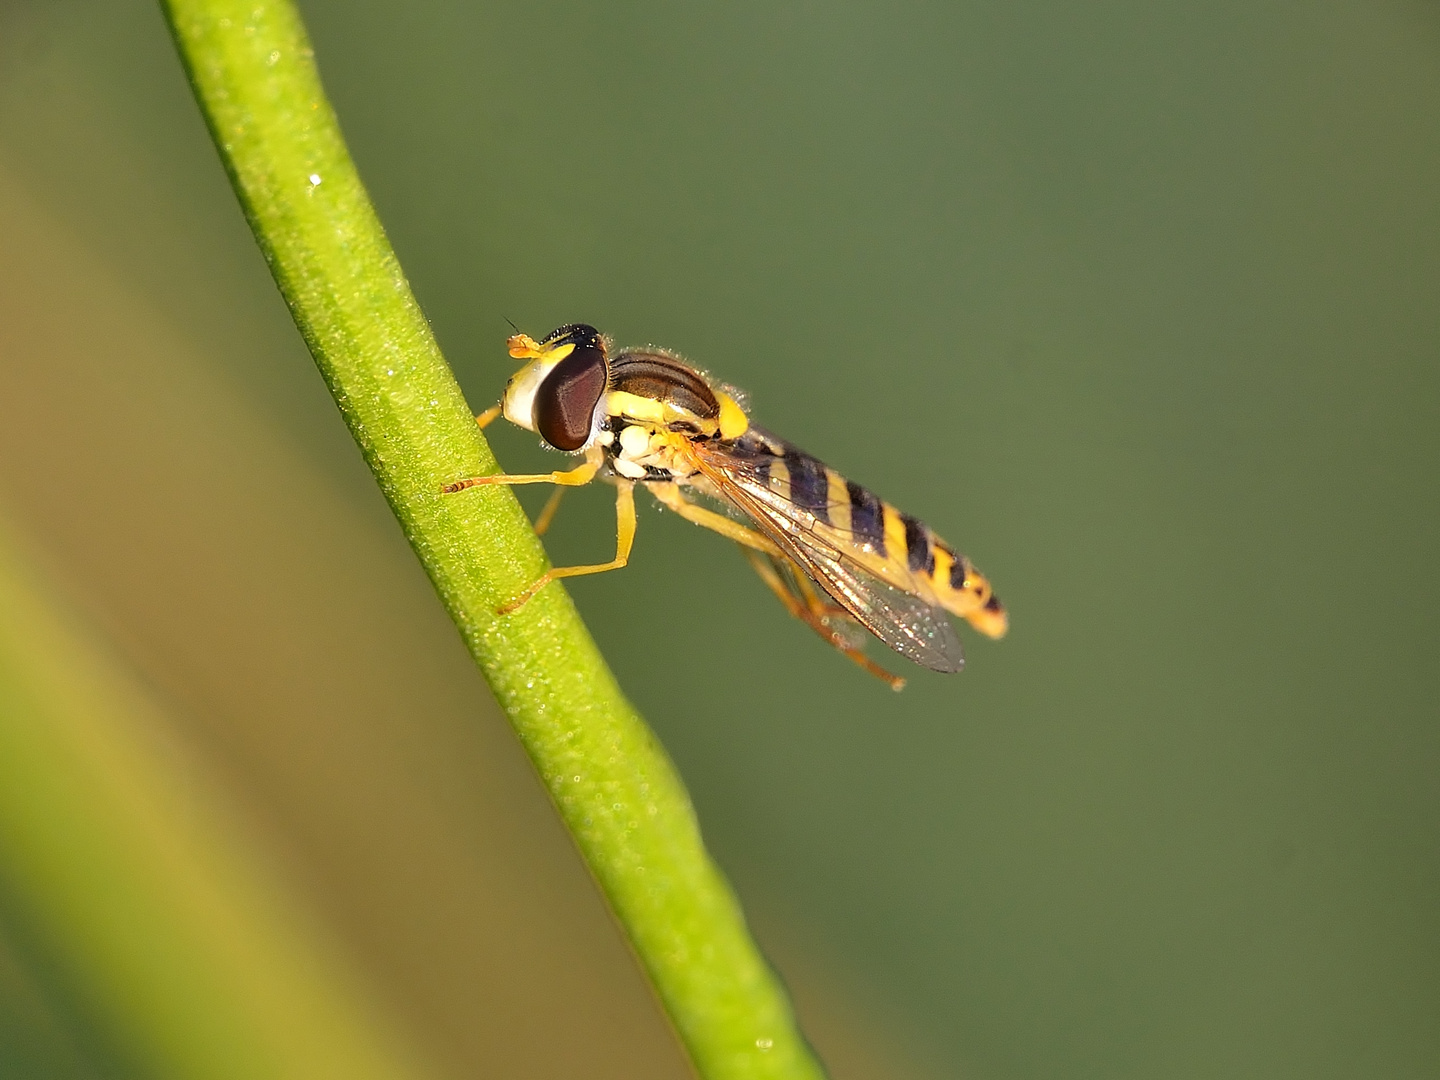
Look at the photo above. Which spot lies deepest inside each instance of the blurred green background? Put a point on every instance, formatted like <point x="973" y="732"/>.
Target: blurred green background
<point x="1134" y="303"/>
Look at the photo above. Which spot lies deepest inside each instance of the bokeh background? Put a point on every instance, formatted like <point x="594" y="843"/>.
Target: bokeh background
<point x="1135" y="303"/>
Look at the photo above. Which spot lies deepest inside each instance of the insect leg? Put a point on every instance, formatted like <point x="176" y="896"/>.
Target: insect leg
<point x="576" y="477"/>
<point x="816" y="601"/>
<point x="669" y="495"/>
<point x="624" y="539"/>
<point x="486" y="418"/>
<point x="802" y="603"/>
<point x="547" y="512"/>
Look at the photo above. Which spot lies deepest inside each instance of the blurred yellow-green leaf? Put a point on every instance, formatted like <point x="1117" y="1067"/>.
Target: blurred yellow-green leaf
<point x="125" y="873"/>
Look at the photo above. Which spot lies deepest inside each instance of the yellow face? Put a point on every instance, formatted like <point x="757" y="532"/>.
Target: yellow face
<point x="558" y="393"/>
<point x="518" y="403"/>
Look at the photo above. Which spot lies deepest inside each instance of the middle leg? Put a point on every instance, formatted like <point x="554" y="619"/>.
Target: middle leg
<point x="547" y="512"/>
<point x="624" y="540"/>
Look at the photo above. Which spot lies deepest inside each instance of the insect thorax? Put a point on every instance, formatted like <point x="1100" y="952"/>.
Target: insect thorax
<point x="655" y="405"/>
<point x="657" y="376"/>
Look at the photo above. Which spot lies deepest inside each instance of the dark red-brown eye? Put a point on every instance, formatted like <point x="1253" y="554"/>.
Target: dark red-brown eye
<point x="565" y="402"/>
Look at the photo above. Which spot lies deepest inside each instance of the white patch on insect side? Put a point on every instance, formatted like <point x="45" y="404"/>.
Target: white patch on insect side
<point x="634" y="441"/>
<point x="632" y="447"/>
<point x="641" y="453"/>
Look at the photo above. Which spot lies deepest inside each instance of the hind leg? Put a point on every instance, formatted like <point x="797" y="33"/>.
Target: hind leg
<point x="668" y="495"/>
<point x="794" y="590"/>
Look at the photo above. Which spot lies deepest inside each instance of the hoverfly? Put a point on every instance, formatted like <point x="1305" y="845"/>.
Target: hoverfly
<point x="839" y="558"/>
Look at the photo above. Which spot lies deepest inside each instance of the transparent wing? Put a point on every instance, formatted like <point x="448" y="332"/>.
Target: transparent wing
<point x="915" y="629"/>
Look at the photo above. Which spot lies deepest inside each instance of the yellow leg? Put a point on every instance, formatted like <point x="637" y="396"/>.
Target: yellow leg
<point x="486" y="418"/>
<point x="547" y="512"/>
<point x="669" y="495"/>
<point x="801" y="600"/>
<point x="576" y="477"/>
<point x="624" y="539"/>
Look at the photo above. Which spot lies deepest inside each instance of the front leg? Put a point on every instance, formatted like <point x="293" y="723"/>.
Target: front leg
<point x="576" y="477"/>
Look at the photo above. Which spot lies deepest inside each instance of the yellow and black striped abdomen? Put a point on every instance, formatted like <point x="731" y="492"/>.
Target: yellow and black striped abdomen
<point x="892" y="545"/>
<point x="961" y="588"/>
<point x="945" y="573"/>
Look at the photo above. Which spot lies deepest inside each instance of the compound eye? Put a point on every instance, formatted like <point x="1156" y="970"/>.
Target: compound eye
<point x="565" y="402"/>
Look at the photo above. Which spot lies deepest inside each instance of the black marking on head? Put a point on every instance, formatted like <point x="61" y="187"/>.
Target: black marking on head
<point x="993" y="605"/>
<point x="867" y="517"/>
<point x="917" y="545"/>
<point x="565" y="402"/>
<point x="578" y="334"/>
<point x="809" y="486"/>
<point x="959" y="571"/>
<point x="660" y="377"/>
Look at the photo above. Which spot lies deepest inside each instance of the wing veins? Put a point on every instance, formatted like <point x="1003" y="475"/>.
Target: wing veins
<point x="904" y="622"/>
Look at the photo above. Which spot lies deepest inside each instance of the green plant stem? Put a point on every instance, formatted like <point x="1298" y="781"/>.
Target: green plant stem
<point x="253" y="72"/>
